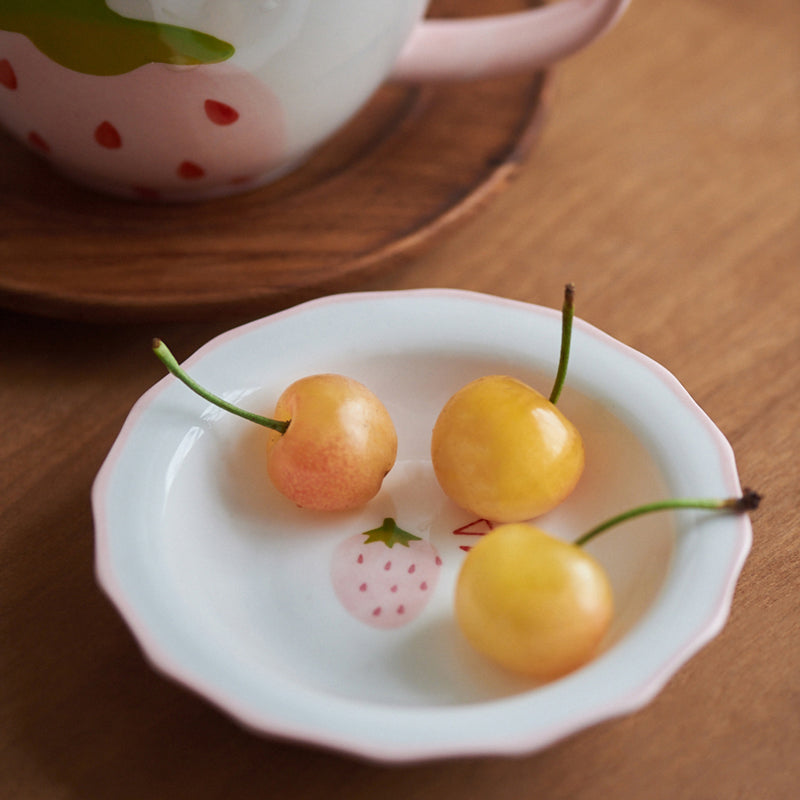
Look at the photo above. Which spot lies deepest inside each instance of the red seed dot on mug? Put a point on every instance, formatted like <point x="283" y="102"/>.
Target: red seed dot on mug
<point x="8" y="77"/>
<point x="220" y="113"/>
<point x="190" y="171"/>
<point x="106" y="135"/>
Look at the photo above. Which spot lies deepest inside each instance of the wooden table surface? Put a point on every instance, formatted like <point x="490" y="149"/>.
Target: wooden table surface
<point x="666" y="185"/>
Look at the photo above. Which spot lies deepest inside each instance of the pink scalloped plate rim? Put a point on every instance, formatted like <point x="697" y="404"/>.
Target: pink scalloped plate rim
<point x="451" y="727"/>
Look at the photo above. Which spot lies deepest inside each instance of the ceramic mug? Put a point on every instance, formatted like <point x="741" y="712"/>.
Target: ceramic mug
<point x="183" y="100"/>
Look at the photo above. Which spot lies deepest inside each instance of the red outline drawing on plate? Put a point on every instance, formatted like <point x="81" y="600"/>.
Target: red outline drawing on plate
<point x="478" y="527"/>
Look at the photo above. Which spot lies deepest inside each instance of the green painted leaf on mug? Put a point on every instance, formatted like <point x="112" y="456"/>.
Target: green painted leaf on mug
<point x="87" y="36"/>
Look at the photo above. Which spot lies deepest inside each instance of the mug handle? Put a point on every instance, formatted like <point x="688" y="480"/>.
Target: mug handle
<point x="502" y="44"/>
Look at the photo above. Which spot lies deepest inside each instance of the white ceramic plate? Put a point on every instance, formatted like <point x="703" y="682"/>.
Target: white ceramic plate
<point x="228" y="587"/>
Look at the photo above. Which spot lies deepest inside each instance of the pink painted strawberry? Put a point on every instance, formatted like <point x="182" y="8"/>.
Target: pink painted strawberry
<point x="156" y="132"/>
<point x="386" y="576"/>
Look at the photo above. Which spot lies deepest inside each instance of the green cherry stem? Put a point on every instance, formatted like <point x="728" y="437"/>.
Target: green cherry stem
<point x="168" y="360"/>
<point x="567" y="316"/>
<point x="747" y="502"/>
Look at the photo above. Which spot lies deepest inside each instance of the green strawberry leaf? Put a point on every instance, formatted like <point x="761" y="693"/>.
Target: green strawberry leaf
<point x="390" y="534"/>
<point x="87" y="36"/>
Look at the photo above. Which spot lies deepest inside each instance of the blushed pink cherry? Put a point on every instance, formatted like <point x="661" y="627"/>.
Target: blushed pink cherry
<point x="331" y="443"/>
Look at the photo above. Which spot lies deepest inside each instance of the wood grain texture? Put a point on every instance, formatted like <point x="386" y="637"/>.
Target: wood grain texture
<point x="665" y="185"/>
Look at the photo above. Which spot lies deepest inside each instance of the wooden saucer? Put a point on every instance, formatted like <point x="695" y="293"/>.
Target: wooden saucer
<point x="416" y="162"/>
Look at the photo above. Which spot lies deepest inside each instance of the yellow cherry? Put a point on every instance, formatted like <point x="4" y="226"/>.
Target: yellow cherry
<point x="505" y="452"/>
<point x="531" y="603"/>
<point x="539" y="606"/>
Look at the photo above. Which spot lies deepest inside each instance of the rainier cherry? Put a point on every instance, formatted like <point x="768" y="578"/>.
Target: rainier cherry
<point x="332" y="441"/>
<point x="502" y="450"/>
<point x="539" y="606"/>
